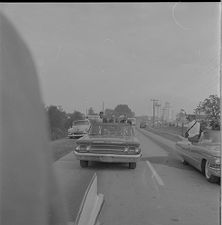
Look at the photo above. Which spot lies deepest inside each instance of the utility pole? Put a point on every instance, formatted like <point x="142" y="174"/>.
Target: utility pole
<point x="155" y="102"/>
<point x="163" y="115"/>
<point x="158" y="110"/>
<point x="103" y="106"/>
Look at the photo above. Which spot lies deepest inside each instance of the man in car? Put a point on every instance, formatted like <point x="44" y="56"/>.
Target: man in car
<point x="102" y="117"/>
<point x="193" y="129"/>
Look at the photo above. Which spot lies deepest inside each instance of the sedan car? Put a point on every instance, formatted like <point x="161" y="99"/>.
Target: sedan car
<point x="109" y="142"/>
<point x="79" y="128"/>
<point x="205" y="156"/>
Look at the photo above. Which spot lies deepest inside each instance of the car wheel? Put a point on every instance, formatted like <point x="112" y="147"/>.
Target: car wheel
<point x="205" y="170"/>
<point x="83" y="163"/>
<point x="132" y="165"/>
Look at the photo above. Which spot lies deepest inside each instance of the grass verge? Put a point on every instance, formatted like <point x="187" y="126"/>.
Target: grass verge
<point x="62" y="147"/>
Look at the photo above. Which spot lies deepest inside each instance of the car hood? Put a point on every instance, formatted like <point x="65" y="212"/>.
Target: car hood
<point x="108" y="139"/>
<point x="213" y="149"/>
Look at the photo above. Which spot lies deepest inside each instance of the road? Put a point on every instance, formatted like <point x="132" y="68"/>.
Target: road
<point x="160" y="191"/>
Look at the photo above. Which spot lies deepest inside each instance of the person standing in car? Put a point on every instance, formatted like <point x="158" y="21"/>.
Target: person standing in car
<point x="193" y="129"/>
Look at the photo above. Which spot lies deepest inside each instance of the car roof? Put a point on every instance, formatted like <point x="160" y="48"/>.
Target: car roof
<point x="110" y="124"/>
<point x="81" y="120"/>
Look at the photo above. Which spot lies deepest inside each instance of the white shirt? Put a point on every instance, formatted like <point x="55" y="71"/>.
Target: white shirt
<point x="195" y="130"/>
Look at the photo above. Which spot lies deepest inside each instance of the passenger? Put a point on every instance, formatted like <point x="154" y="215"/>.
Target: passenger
<point x="193" y="129"/>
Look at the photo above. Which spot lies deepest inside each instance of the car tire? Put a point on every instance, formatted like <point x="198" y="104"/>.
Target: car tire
<point x="83" y="163"/>
<point x="205" y="170"/>
<point x="132" y="165"/>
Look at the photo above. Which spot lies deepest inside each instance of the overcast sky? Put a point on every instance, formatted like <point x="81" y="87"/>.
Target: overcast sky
<point x="129" y="53"/>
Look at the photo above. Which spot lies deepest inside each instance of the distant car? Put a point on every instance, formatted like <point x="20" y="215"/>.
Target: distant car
<point x="205" y="156"/>
<point x="79" y="128"/>
<point x="109" y="142"/>
<point x="143" y="125"/>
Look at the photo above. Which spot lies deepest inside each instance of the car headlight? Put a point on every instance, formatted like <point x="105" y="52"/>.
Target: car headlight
<point x="217" y="160"/>
<point x="132" y="150"/>
<point x="215" y="163"/>
<point x="83" y="148"/>
<point x="137" y="150"/>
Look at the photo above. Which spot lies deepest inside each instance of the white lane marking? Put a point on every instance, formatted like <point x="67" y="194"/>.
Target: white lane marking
<point x="155" y="174"/>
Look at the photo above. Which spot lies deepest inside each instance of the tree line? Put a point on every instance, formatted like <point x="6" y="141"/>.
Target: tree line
<point x="59" y="121"/>
<point x="210" y="108"/>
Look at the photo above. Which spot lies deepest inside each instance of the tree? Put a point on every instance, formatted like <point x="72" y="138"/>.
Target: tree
<point x="123" y="109"/>
<point x="211" y="107"/>
<point x="109" y="112"/>
<point x="57" y="118"/>
<point x="59" y="121"/>
<point x="76" y="115"/>
<point x="181" y="116"/>
<point x="91" y="111"/>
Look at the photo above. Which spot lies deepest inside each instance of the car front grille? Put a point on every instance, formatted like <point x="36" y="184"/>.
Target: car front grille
<point x="215" y="166"/>
<point x="109" y="149"/>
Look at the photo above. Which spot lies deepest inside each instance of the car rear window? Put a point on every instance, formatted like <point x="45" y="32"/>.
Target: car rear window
<point x="110" y="130"/>
<point x="80" y="123"/>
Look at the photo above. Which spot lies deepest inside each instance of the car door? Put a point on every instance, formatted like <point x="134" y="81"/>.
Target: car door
<point x="196" y="153"/>
<point x="184" y="150"/>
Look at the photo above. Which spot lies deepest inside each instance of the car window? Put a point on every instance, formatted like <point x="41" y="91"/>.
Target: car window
<point x="80" y="123"/>
<point x="112" y="130"/>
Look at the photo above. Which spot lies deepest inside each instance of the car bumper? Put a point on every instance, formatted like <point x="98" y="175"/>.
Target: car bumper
<point x="77" y="135"/>
<point x="215" y="172"/>
<point x="107" y="157"/>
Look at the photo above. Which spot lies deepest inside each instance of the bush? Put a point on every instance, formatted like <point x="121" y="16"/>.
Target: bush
<point x="57" y="133"/>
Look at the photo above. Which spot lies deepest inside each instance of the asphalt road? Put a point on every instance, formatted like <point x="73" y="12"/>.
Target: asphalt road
<point x="160" y="191"/>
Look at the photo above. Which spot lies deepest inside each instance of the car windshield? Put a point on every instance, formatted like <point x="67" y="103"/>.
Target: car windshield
<point x="80" y="123"/>
<point x="111" y="130"/>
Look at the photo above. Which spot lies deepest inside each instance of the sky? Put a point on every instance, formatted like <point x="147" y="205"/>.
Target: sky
<point x="88" y="54"/>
